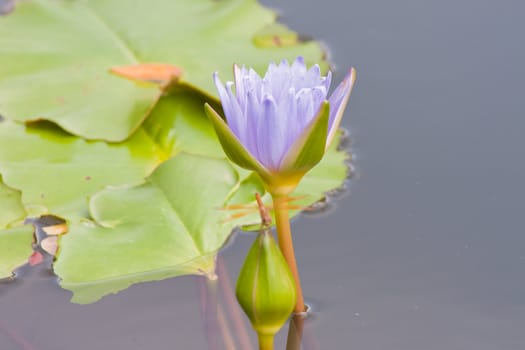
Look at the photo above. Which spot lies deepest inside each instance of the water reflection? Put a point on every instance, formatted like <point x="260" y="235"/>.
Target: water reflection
<point x="6" y="6"/>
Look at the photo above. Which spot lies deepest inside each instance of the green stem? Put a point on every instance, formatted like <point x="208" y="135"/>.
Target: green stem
<point x="284" y="235"/>
<point x="265" y="341"/>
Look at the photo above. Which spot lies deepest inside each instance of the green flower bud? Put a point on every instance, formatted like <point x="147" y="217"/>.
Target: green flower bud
<point x="265" y="287"/>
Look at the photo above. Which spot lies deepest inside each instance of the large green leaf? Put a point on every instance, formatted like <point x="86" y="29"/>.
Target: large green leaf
<point x="15" y="242"/>
<point x="171" y="225"/>
<point x="178" y="123"/>
<point x="55" y="56"/>
<point x="56" y="171"/>
<point x="168" y="226"/>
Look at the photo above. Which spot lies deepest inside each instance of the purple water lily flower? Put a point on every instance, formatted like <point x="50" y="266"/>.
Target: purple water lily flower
<point x="280" y="125"/>
<point x="268" y="115"/>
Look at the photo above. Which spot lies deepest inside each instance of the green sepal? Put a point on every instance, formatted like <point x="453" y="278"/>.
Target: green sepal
<point x="309" y="148"/>
<point x="265" y="287"/>
<point x="231" y="144"/>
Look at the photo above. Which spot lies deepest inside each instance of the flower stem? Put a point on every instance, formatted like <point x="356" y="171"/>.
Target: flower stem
<point x="284" y="235"/>
<point x="295" y="332"/>
<point x="265" y="341"/>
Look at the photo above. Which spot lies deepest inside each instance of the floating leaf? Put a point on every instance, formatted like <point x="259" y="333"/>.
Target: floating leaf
<point x="168" y="226"/>
<point x="171" y="225"/>
<point x="276" y="35"/>
<point x="57" y="171"/>
<point x="11" y="209"/>
<point x="15" y="242"/>
<point x="69" y="47"/>
<point x="178" y="123"/>
<point x="15" y="248"/>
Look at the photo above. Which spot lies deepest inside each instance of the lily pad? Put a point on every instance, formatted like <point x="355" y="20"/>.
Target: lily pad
<point x="15" y="248"/>
<point x="178" y="123"/>
<point x="56" y="56"/>
<point x="168" y="226"/>
<point x="15" y="242"/>
<point x="173" y="224"/>
<point x="11" y="209"/>
<point x="57" y="171"/>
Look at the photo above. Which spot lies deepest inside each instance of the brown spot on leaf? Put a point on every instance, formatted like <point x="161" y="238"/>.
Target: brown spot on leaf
<point x="160" y="73"/>
<point x="60" y="100"/>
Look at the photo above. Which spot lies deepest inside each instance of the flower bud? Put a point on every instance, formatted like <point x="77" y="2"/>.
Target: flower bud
<point x="265" y="287"/>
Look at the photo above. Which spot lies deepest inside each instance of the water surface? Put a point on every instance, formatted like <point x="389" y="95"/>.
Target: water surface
<point x="426" y="248"/>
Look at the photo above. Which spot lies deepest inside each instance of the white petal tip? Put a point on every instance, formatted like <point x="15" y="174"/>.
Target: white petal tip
<point x="351" y="75"/>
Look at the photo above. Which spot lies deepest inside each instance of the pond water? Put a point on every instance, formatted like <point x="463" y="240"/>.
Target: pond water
<point x="425" y="249"/>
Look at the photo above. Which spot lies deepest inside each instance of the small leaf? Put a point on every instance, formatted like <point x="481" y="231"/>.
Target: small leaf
<point x="15" y="248"/>
<point x="15" y="242"/>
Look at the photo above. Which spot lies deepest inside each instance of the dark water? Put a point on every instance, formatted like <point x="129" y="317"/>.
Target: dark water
<point x="428" y="249"/>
